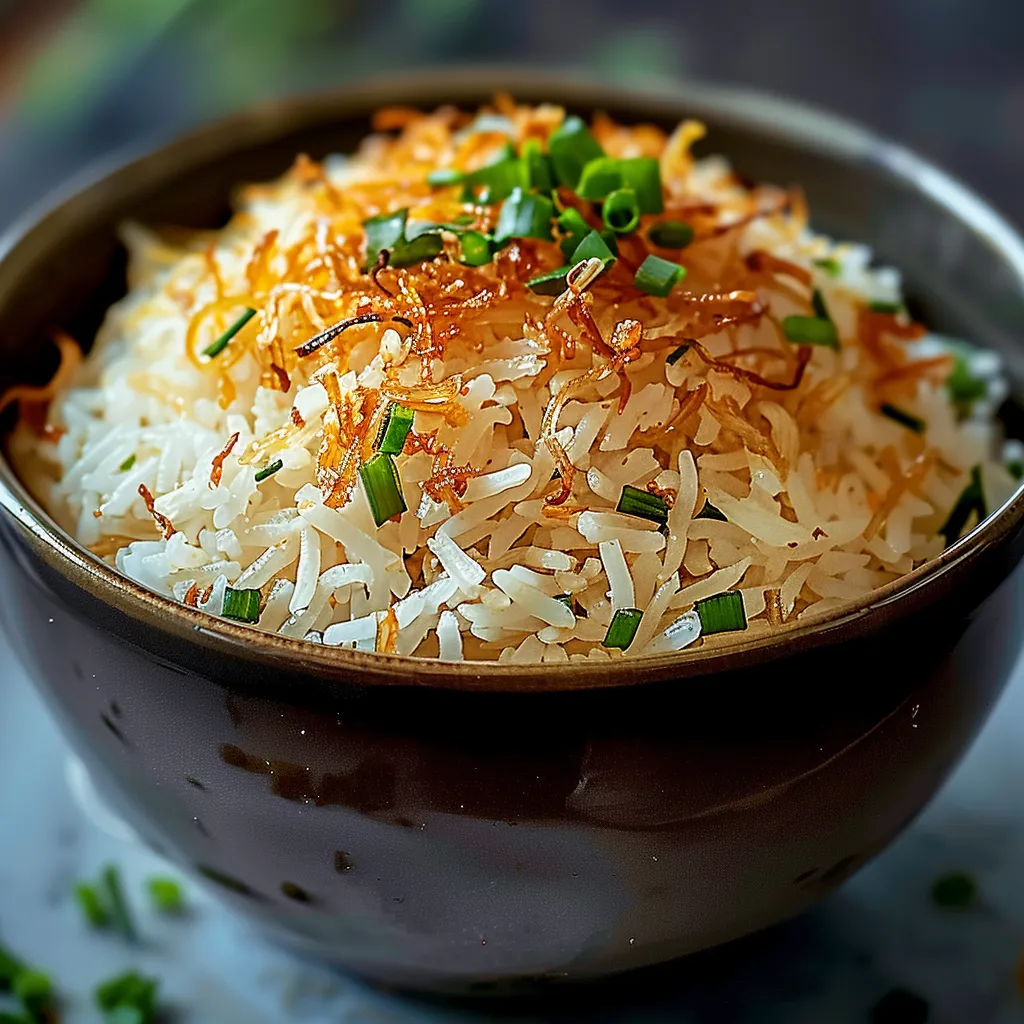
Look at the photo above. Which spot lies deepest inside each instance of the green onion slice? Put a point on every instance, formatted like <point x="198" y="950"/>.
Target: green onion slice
<point x="524" y="215"/>
<point x="722" y="613"/>
<point x="383" y="487"/>
<point x="903" y="418"/>
<point x="269" y="471"/>
<point x="623" y="627"/>
<point x="892" y="308"/>
<point x="116" y="904"/>
<point x="385" y="231"/>
<point x="972" y="499"/>
<point x="405" y="248"/>
<point x="128" y="463"/>
<point x="709" y="511"/>
<point x="671" y="234"/>
<point x="573" y="226"/>
<point x="241" y="605"/>
<point x="34" y="991"/>
<point x="831" y="266"/>
<point x="674" y="356"/>
<point x="445" y="176"/>
<point x="600" y="177"/>
<point x="621" y="211"/>
<point x="476" y="248"/>
<point x="810" y="330"/>
<point x="395" y="429"/>
<point x="131" y="990"/>
<point x="537" y="167"/>
<point x="593" y="246"/>
<point x="89" y="902"/>
<point x="643" y="504"/>
<point x="572" y="147"/>
<point x="551" y="283"/>
<point x="656" y="276"/>
<point x="500" y="178"/>
<point x="963" y="387"/>
<point x="166" y="896"/>
<point x="215" y="348"/>
<point x="642" y="174"/>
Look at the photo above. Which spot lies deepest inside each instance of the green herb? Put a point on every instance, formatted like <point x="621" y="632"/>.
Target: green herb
<point x="524" y="215"/>
<point x="116" y="904"/>
<point x="905" y="419"/>
<point x="269" y="471"/>
<point x="972" y="499"/>
<point x="622" y="630"/>
<point x="34" y="991"/>
<point x="956" y="891"/>
<point x="550" y="283"/>
<point x="899" y="1006"/>
<point x="388" y="231"/>
<point x="241" y="605"/>
<point x="593" y="246"/>
<point x="674" y="356"/>
<point x="722" y="613"/>
<point x="166" y="896"/>
<point x="671" y="234"/>
<point x="892" y="308"/>
<point x="538" y="170"/>
<point x="571" y="148"/>
<point x="129" y="991"/>
<point x="445" y="176"/>
<point x="571" y="222"/>
<point x="643" y="504"/>
<point x="604" y="175"/>
<point x="963" y="387"/>
<point x="128" y="463"/>
<point x="831" y="266"/>
<point x="91" y="905"/>
<point x="500" y="178"/>
<point x="818" y="302"/>
<point x="395" y="429"/>
<point x="709" y="511"/>
<point x="810" y="330"/>
<point x="476" y="248"/>
<point x="601" y="176"/>
<point x="383" y="488"/>
<point x="218" y="346"/>
<point x="656" y="276"/>
<point x="621" y="212"/>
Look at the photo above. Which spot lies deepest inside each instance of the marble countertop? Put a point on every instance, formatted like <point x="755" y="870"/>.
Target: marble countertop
<point x="832" y="965"/>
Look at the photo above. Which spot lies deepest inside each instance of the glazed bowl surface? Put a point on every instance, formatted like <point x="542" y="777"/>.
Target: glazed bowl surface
<point x="479" y="827"/>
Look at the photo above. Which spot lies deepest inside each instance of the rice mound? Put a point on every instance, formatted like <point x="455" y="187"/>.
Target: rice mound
<point x="783" y="478"/>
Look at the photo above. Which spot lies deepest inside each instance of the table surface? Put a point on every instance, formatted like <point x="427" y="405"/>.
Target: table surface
<point x="831" y="965"/>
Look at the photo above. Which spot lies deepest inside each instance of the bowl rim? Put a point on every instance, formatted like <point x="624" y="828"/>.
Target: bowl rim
<point x="792" y="121"/>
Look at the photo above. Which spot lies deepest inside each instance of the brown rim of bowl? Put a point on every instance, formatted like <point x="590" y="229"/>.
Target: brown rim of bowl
<point x="793" y="121"/>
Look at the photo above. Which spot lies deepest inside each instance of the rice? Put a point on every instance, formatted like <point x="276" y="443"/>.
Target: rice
<point x="797" y="476"/>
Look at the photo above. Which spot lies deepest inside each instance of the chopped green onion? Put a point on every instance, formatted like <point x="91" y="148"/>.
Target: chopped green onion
<point x="642" y="174"/>
<point x="551" y="283"/>
<point x="383" y="487"/>
<point x="593" y="246"/>
<point x="892" y="308"/>
<point x="269" y="471"/>
<point x="621" y="212"/>
<point x="572" y="147"/>
<point x="624" y="625"/>
<point x="954" y="892"/>
<point x="831" y="266"/>
<point x="128" y="463"/>
<point x="130" y="990"/>
<point x="241" y="605"/>
<point x="538" y="170"/>
<point x="610" y="240"/>
<point x="500" y="178"/>
<point x="905" y="419"/>
<point x="674" y="356"/>
<point x="218" y="346"/>
<point x="601" y="176"/>
<point x="91" y="905"/>
<point x="445" y="176"/>
<point x="388" y="231"/>
<point x="656" y="276"/>
<point x="476" y="248"/>
<point x="422" y="248"/>
<point x="643" y="504"/>
<point x="818" y="302"/>
<point x="709" y="511"/>
<point x="34" y="991"/>
<point x="972" y="499"/>
<point x="116" y="904"/>
<point x="524" y="215"/>
<point x="810" y="330"/>
<point x="166" y="896"/>
<point x="671" y="234"/>
<point x="385" y="231"/>
<point x="572" y="222"/>
<point x="395" y="429"/>
<point x="963" y="387"/>
<point x="722" y="613"/>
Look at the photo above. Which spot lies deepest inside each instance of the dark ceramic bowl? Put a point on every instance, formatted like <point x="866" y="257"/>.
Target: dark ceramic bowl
<point x="481" y="827"/>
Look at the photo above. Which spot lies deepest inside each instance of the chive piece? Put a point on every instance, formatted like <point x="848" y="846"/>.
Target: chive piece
<point x="537" y="167"/>
<point x="905" y="419"/>
<point x="643" y="505"/>
<point x="900" y="1006"/>
<point x="673" y="357"/>
<point x="972" y="499"/>
<point x="127" y="464"/>
<point x="818" y="302"/>
<point x="498" y="179"/>
<point x="955" y="891"/>
<point x="610" y="240"/>
<point x="383" y="487"/>
<point x="810" y="330"/>
<point x="571" y="147"/>
<point x="656" y="276"/>
<point x="892" y="308"/>
<point x="572" y="222"/>
<point x="524" y="215"/>
<point x="621" y="212"/>
<point x="963" y="387"/>
<point x="218" y="346"/>
<point x="551" y="283"/>
<point x="445" y="176"/>
<point x="624" y="625"/>
<point x="593" y="246"/>
<point x="91" y="905"/>
<point x="385" y="231"/>
<point x="476" y="248"/>
<point x="406" y="245"/>
<point x="600" y="177"/>
<point x="722" y="613"/>
<point x="130" y="990"/>
<point x="10" y="968"/>
<point x="116" y="904"/>
<point x="241" y="605"/>
<point x="34" y="991"/>
<point x="395" y="429"/>
<point x="420" y="249"/>
<point x="831" y="266"/>
<point x="269" y="471"/>
<point x="642" y="174"/>
<point x="671" y="234"/>
<point x="709" y="511"/>
<point x="166" y="896"/>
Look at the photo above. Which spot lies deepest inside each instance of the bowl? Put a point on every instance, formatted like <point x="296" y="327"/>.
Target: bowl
<point x="492" y="828"/>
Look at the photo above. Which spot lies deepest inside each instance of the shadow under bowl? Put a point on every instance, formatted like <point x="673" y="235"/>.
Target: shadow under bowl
<point x="483" y="828"/>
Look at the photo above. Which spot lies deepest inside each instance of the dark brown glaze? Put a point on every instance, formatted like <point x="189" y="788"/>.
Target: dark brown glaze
<point x="473" y="828"/>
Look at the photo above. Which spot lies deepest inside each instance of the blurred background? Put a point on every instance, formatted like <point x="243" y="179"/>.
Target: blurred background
<point x="78" y="77"/>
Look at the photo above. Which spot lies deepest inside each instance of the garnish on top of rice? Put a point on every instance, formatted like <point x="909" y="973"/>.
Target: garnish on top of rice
<point x="514" y="387"/>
